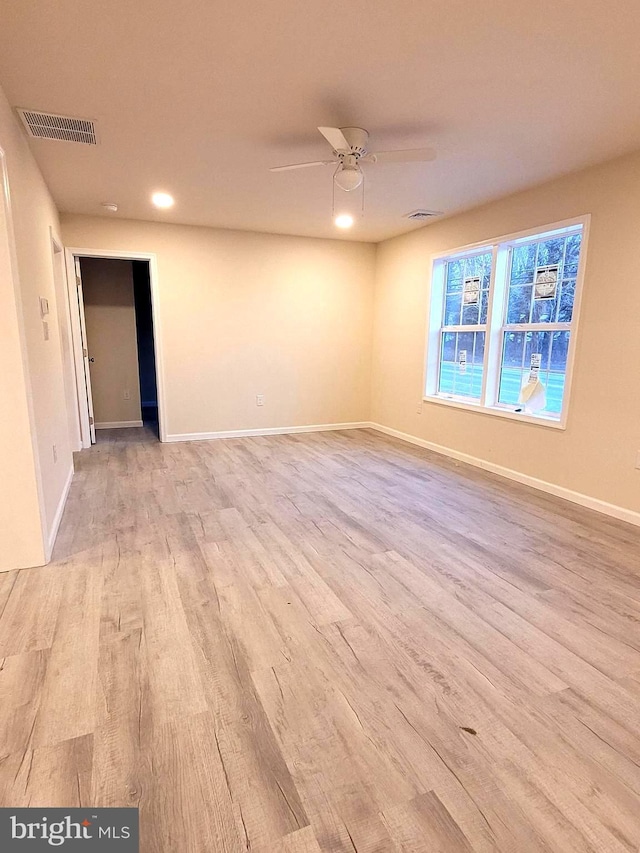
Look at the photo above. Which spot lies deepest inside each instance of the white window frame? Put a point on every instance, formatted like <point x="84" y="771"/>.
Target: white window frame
<point x="496" y="324"/>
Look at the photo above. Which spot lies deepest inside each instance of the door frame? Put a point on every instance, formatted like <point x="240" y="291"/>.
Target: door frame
<point x="65" y="322"/>
<point x="84" y="344"/>
<point x="71" y="253"/>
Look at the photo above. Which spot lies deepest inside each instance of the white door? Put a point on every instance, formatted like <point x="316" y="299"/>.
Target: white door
<point x="85" y="351"/>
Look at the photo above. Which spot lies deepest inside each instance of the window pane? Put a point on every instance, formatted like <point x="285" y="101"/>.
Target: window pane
<point x="572" y="255"/>
<point x="557" y="372"/>
<point x="521" y="351"/>
<point x="511" y="372"/>
<point x="550" y="251"/>
<point x="479" y="265"/>
<point x="544" y="310"/>
<point x="540" y="343"/>
<point x="454" y="275"/>
<point x="519" y="307"/>
<point x="513" y="349"/>
<point x="449" y="347"/>
<point x="452" y="308"/>
<point x="470" y="315"/>
<point x="461" y="364"/>
<point x="565" y="301"/>
<point x="484" y="304"/>
<point x="523" y="263"/>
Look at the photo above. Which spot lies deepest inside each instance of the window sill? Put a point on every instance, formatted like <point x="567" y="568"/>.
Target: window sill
<point x="537" y="420"/>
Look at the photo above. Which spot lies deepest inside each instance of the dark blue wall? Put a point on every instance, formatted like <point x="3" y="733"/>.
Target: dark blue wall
<point x="144" y="329"/>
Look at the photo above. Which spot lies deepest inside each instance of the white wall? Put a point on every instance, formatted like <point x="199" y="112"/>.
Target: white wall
<point x="242" y="314"/>
<point x="34" y="220"/>
<point x="596" y="454"/>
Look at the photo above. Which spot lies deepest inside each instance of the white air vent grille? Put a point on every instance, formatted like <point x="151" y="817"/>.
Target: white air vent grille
<point x="63" y="128"/>
<point x="419" y="215"/>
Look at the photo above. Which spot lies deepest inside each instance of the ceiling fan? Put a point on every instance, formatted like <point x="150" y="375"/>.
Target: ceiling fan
<point x="349" y="145"/>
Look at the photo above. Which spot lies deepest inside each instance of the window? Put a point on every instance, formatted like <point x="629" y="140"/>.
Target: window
<point x="502" y="324"/>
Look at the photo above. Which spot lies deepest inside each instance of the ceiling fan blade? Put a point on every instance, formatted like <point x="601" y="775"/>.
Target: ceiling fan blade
<point x="336" y="138"/>
<point x="303" y="165"/>
<point x="412" y="155"/>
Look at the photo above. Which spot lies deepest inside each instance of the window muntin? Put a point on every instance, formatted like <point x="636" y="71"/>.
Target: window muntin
<point x="520" y="316"/>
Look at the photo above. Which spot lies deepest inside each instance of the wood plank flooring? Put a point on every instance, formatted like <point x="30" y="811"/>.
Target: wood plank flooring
<point x="327" y="642"/>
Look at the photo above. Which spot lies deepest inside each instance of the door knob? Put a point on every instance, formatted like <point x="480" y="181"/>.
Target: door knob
<point x="92" y="360"/>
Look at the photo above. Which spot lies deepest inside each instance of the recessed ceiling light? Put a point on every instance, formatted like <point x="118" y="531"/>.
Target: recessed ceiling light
<point x="162" y="199"/>
<point x="110" y="206"/>
<point x="344" y="220"/>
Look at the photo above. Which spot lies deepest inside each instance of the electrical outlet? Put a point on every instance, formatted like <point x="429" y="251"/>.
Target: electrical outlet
<point x="126" y="394"/>
<point x="55" y="452"/>
<point x="259" y="399"/>
<point x="419" y="408"/>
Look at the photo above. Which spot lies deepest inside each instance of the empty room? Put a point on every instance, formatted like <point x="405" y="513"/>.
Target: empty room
<point x="320" y="426"/>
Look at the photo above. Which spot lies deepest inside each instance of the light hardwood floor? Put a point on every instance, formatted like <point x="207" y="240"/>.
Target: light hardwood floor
<point x="326" y="642"/>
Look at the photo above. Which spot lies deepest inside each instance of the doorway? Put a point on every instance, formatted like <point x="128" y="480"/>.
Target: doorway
<point x="116" y="342"/>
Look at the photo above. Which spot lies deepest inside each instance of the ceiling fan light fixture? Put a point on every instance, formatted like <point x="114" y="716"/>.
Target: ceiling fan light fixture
<point x="348" y="178"/>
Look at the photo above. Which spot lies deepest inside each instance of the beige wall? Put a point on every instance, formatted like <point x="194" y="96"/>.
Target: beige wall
<point x="597" y="452"/>
<point x="243" y="314"/>
<point x="21" y="534"/>
<point x="32" y="481"/>
<point x="110" y="317"/>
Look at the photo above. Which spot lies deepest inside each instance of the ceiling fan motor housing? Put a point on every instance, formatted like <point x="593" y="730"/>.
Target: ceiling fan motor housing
<point x="357" y="138"/>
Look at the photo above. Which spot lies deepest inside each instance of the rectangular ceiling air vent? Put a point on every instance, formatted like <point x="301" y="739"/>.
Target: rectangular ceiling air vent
<point x="419" y="215"/>
<point x="63" y="128"/>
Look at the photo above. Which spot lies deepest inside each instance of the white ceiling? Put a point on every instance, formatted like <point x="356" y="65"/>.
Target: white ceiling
<point x="200" y="97"/>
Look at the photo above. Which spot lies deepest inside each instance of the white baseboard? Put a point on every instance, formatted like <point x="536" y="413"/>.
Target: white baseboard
<point x="596" y="504"/>
<point x="244" y="433"/>
<point x="118" y="424"/>
<point x="55" y="524"/>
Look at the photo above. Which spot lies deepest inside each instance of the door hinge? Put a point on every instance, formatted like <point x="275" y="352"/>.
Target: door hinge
<point x="85" y="352"/>
<point x="90" y="421"/>
<point x="78" y="281"/>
